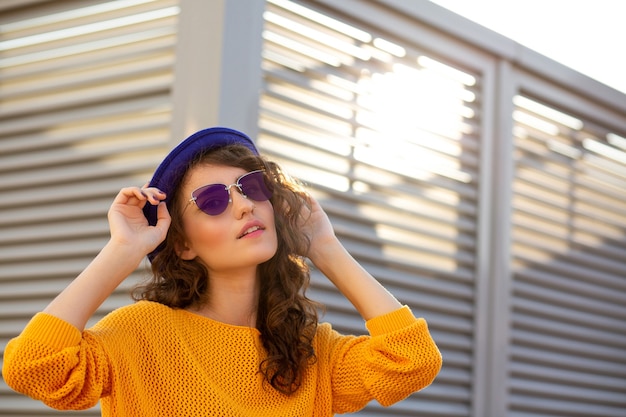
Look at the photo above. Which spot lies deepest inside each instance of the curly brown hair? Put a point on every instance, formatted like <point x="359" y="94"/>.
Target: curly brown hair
<point x="286" y="318"/>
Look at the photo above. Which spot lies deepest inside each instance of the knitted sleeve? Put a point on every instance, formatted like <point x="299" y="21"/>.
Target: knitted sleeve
<point x="398" y="358"/>
<point x="53" y="362"/>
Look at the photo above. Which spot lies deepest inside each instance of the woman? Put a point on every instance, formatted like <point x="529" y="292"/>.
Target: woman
<point x="223" y="327"/>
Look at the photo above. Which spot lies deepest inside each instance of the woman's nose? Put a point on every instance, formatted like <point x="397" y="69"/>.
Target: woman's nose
<point x="241" y="203"/>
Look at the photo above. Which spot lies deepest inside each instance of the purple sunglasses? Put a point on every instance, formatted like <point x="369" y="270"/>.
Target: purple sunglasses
<point x="213" y="199"/>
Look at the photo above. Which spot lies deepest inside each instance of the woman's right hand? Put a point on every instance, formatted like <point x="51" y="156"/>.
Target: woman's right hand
<point x="132" y="238"/>
<point x="128" y="225"/>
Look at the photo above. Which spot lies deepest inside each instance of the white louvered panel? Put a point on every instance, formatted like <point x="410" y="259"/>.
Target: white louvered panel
<point x="395" y="167"/>
<point x="14" y="405"/>
<point x="569" y="318"/>
<point x="86" y="110"/>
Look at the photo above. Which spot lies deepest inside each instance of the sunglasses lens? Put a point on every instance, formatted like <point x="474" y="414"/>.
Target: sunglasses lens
<point x="211" y="199"/>
<point x="253" y="186"/>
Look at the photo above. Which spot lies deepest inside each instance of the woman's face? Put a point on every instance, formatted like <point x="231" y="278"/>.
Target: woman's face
<point x="242" y="237"/>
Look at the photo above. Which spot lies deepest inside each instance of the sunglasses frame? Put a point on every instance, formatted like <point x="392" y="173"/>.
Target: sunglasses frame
<point x="227" y="188"/>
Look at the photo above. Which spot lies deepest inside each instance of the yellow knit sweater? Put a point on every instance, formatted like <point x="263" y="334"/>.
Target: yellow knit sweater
<point x="150" y="360"/>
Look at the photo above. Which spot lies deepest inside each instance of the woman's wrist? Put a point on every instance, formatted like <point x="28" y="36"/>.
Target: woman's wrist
<point x="124" y="255"/>
<point x="322" y="253"/>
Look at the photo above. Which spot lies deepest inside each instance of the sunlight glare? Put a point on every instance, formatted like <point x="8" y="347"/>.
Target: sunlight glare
<point x="535" y="122"/>
<point x="390" y="47"/>
<point x="564" y="149"/>
<point x="407" y="98"/>
<point x="399" y="109"/>
<point x="448" y="71"/>
<point x="616" y="140"/>
<point x="604" y="150"/>
<point x="309" y="51"/>
<point x="316" y="35"/>
<point x="323" y="20"/>
<point x="548" y="112"/>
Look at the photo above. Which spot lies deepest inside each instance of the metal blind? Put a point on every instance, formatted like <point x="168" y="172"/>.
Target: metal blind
<point x="568" y="346"/>
<point x="85" y="111"/>
<point x="386" y="134"/>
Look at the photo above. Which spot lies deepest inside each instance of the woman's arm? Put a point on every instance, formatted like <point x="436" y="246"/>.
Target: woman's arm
<point x="367" y="295"/>
<point x="131" y="239"/>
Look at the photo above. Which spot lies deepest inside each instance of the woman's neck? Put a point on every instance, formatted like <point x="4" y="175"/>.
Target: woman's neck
<point x="231" y="300"/>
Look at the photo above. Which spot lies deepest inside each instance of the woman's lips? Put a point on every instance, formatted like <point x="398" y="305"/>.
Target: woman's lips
<point x="251" y="228"/>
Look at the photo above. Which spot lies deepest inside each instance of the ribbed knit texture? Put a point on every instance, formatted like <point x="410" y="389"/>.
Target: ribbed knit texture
<point x="149" y="360"/>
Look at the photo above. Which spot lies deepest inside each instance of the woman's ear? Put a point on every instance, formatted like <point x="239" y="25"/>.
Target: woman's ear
<point x="185" y="253"/>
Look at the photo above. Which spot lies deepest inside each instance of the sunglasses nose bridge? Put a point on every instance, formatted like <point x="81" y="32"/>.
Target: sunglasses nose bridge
<point x="238" y="186"/>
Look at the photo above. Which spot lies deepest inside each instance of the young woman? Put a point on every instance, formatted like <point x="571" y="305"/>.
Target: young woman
<point x="223" y="327"/>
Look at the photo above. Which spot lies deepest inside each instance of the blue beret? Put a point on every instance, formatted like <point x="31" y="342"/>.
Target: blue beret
<point x="170" y="172"/>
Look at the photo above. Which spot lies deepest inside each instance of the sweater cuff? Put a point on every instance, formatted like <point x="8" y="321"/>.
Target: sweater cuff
<point x="387" y="323"/>
<point x="52" y="331"/>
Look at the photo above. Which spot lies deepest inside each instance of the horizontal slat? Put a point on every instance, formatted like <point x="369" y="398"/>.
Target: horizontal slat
<point x="592" y="313"/>
<point x="567" y="285"/>
<point x="313" y="168"/>
<point x="427" y="261"/>
<point x="575" y="255"/>
<point x="550" y="343"/>
<point x="568" y="229"/>
<point x="14" y="405"/>
<point x="70" y="200"/>
<point x="47" y="232"/>
<point x="139" y="44"/>
<point x="51" y="286"/>
<point x="570" y="393"/>
<point x="46" y="250"/>
<point x="100" y="28"/>
<point x="451" y="322"/>
<point x="54" y="16"/>
<point x="316" y="137"/>
<point x="574" y="331"/>
<point x="130" y="106"/>
<point x="425" y="223"/>
<point x="424" y="281"/>
<point x="133" y="146"/>
<point x="565" y="360"/>
<point x="401" y="196"/>
<point x="44" y="88"/>
<point x="39" y="269"/>
<point x="387" y="238"/>
<point x="153" y="122"/>
<point x="530" y="217"/>
<point x="26" y="308"/>
<point x="531" y="405"/>
<point x="387" y="148"/>
<point x="83" y="171"/>
<point x="576" y="182"/>
<point x="531" y="183"/>
<point x="122" y="90"/>
<point x="586" y="167"/>
<point x="424" y="404"/>
<point x="567" y="268"/>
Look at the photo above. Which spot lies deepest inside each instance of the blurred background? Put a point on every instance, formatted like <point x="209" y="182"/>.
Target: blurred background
<point x="480" y="180"/>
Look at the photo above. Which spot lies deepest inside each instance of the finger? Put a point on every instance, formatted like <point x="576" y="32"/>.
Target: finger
<point x="130" y="195"/>
<point x="153" y="195"/>
<point x="163" y="218"/>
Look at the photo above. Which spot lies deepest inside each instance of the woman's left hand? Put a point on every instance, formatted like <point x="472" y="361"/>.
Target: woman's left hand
<point x="316" y="225"/>
<point x="330" y="257"/>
